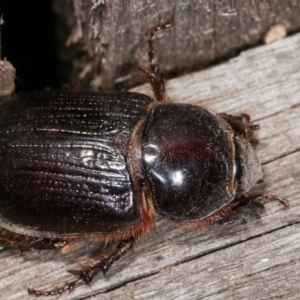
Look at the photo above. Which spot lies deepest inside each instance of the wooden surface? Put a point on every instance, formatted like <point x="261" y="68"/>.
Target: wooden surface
<point x="7" y="78"/>
<point x="259" y="260"/>
<point x="107" y="40"/>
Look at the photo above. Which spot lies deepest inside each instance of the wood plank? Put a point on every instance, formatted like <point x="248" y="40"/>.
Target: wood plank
<point x="258" y="260"/>
<point x="252" y="269"/>
<point x="108" y="39"/>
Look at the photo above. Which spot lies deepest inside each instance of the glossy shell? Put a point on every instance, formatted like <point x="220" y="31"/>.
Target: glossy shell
<point x="80" y="164"/>
<point x="188" y="157"/>
<point x="63" y="158"/>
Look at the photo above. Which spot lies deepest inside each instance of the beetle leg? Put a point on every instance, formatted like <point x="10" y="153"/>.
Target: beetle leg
<point x="156" y="80"/>
<point x="237" y="211"/>
<point x="25" y="243"/>
<point x="268" y="198"/>
<point x="248" y="208"/>
<point x="242" y="126"/>
<point x="100" y="263"/>
<point x="243" y="212"/>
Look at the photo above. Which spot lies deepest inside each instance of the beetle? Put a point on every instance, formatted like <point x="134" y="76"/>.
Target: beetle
<point x="100" y="166"/>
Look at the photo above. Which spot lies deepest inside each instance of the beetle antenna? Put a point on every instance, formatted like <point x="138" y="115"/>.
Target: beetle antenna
<point x="156" y="80"/>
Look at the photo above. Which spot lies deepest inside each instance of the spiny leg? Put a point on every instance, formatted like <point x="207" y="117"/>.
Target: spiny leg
<point x="156" y="80"/>
<point x="247" y="207"/>
<point x="100" y="263"/>
<point x="24" y="243"/>
<point x="237" y="211"/>
<point x="242" y="126"/>
<point x="268" y="198"/>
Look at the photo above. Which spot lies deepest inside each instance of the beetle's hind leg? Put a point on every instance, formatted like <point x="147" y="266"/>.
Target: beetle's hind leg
<point x="100" y="262"/>
<point x="156" y="80"/>
<point x="24" y="243"/>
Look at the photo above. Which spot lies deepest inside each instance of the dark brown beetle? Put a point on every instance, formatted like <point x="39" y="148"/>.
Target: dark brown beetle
<point x="100" y="166"/>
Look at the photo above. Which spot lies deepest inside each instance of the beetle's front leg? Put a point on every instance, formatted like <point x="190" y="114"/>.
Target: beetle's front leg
<point x="242" y="126"/>
<point x="100" y="262"/>
<point x="238" y="211"/>
<point x="248" y="207"/>
<point x="24" y="243"/>
<point x="156" y="80"/>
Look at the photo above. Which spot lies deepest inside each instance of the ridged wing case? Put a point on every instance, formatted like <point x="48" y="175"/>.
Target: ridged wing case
<point x="63" y="158"/>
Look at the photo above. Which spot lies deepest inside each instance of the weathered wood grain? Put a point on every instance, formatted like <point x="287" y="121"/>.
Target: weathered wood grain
<point x="108" y="39"/>
<point x="7" y="77"/>
<point x="258" y="260"/>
